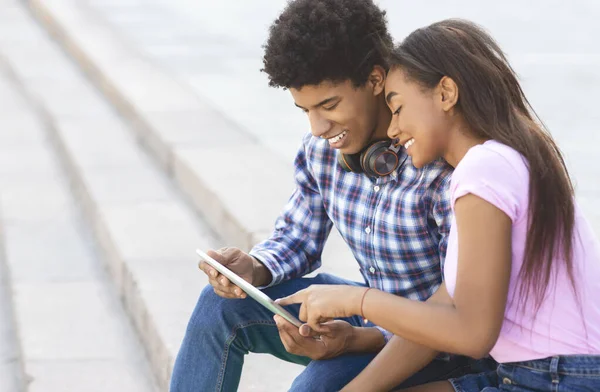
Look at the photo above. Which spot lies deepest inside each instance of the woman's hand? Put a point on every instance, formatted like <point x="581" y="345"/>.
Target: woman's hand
<point x="322" y="303"/>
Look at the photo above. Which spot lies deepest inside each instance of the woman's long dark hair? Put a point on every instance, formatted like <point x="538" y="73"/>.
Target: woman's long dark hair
<point x="494" y="106"/>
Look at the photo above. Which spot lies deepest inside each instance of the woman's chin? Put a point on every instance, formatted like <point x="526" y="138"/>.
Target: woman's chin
<point x="419" y="162"/>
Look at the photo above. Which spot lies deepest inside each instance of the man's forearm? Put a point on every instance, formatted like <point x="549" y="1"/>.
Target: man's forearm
<point x="365" y="340"/>
<point x="396" y="362"/>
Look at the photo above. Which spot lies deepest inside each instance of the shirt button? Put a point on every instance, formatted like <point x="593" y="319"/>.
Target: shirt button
<point x="376" y="189"/>
<point x="506" y="381"/>
<point x="367" y="230"/>
<point x="372" y="269"/>
<point x="394" y="174"/>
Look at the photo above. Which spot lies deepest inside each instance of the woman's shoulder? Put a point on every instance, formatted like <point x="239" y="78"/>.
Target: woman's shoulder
<point x="492" y="159"/>
<point x="496" y="173"/>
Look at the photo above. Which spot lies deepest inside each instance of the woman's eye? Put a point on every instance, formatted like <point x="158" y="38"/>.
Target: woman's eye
<point x="397" y="112"/>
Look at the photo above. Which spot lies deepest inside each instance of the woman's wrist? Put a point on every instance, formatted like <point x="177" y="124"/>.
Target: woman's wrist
<point x="357" y="300"/>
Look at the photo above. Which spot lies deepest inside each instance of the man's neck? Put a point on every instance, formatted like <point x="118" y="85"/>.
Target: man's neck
<point x="383" y="121"/>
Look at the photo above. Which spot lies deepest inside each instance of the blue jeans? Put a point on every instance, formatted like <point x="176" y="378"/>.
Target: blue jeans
<point x="576" y="373"/>
<point x="221" y="331"/>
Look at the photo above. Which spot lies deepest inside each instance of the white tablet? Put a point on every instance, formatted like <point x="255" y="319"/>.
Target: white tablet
<point x="252" y="291"/>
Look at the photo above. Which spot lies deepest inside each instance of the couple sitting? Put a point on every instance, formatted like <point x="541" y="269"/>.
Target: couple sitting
<point x="480" y="273"/>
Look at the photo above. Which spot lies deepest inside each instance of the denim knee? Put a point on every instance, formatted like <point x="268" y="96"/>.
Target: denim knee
<point x="215" y="313"/>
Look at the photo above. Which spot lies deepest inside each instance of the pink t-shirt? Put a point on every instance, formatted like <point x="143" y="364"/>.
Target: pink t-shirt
<point x="500" y="175"/>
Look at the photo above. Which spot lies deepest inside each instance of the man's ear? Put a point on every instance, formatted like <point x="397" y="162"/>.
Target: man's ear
<point x="448" y="93"/>
<point x="377" y="79"/>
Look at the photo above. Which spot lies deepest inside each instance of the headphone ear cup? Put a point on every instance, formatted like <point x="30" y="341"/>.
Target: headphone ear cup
<point x="378" y="160"/>
<point x="349" y="162"/>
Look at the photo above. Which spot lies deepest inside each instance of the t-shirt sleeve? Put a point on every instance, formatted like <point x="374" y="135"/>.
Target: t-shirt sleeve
<point x="500" y="179"/>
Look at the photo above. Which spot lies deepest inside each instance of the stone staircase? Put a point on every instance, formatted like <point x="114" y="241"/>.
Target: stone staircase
<point x="119" y="173"/>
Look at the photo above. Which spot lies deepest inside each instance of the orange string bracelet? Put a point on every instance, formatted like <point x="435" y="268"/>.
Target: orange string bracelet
<point x="362" y="301"/>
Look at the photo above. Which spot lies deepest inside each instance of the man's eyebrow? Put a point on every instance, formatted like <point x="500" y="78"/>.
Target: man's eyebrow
<point x="323" y="102"/>
<point x="390" y="95"/>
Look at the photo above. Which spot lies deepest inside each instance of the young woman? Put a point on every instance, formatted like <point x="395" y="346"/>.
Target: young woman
<point x="522" y="269"/>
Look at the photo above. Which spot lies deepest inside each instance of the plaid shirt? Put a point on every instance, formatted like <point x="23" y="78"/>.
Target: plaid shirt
<point x="396" y="226"/>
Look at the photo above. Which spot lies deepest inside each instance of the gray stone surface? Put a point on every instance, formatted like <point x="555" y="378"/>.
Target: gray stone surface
<point x="11" y="372"/>
<point x="70" y="321"/>
<point x="19" y="131"/>
<point x="20" y="197"/>
<point x="65" y="256"/>
<point x="8" y="383"/>
<point x="242" y="192"/>
<point x="97" y="375"/>
<point x="129" y="185"/>
<point x="72" y="331"/>
<point x="99" y="147"/>
<point x="23" y="160"/>
<point x="144" y="230"/>
<point x="153" y="230"/>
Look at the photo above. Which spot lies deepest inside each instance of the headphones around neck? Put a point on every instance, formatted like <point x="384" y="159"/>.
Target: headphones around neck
<point x="378" y="159"/>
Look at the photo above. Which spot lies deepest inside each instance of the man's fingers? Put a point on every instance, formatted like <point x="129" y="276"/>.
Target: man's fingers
<point x="289" y="343"/>
<point x="231" y="290"/>
<point x="307" y="331"/>
<point x="287" y="340"/>
<point x="207" y="269"/>
<point x="224" y="294"/>
<point x="290" y="336"/>
<point x="224" y="281"/>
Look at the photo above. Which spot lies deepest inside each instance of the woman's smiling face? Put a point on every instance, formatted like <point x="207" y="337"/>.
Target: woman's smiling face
<point x="419" y="119"/>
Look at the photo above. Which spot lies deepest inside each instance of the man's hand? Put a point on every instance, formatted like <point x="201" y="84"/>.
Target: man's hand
<point x="335" y="337"/>
<point x="244" y="265"/>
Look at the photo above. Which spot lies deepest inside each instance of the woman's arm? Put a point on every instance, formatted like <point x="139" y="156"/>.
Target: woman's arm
<point x="398" y="360"/>
<point x="472" y="324"/>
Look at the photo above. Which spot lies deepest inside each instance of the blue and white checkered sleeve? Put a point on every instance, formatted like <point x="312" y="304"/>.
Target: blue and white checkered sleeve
<point x="295" y="246"/>
<point x="387" y="335"/>
<point x="441" y="211"/>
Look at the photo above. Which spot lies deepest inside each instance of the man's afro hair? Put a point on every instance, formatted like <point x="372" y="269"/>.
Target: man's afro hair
<point x="326" y="40"/>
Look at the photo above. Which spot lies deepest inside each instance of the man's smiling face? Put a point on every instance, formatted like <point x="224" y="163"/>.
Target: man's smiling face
<point x="343" y="114"/>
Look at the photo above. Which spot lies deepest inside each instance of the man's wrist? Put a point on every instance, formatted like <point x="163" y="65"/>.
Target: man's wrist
<point x="261" y="275"/>
<point x="362" y="340"/>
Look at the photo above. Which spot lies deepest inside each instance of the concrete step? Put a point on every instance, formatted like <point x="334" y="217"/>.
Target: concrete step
<point x="70" y="332"/>
<point x="144" y="229"/>
<point x="12" y="377"/>
<point x="213" y="161"/>
<point x="235" y="182"/>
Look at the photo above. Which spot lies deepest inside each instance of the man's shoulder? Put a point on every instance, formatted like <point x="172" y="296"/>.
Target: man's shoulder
<point x="435" y="174"/>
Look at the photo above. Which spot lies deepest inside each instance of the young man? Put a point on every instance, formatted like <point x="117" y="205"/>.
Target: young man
<point x="331" y="55"/>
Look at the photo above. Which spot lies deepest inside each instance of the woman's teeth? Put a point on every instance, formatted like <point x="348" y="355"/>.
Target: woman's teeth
<point x="409" y="143"/>
<point x="337" y="138"/>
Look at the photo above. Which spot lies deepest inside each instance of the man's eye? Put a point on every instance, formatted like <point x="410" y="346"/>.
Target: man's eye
<point x="397" y="112"/>
<point x="331" y="107"/>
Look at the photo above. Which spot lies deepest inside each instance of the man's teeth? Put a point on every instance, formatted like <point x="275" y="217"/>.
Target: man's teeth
<point x="409" y="143"/>
<point x="337" y="138"/>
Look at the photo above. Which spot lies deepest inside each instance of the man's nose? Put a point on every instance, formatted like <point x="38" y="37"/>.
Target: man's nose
<point x="319" y="125"/>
